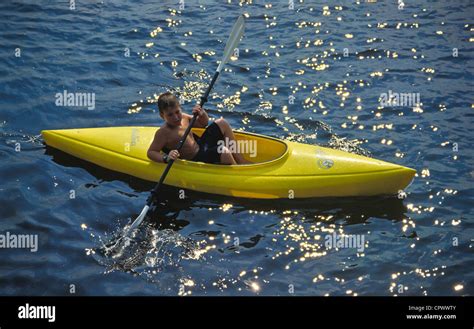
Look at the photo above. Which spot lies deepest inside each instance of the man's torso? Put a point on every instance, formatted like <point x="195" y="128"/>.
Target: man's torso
<point x="174" y="134"/>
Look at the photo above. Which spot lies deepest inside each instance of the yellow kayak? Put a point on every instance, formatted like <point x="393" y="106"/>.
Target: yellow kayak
<point x="280" y="169"/>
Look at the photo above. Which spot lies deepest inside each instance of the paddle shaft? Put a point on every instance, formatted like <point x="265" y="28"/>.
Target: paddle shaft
<point x="152" y="197"/>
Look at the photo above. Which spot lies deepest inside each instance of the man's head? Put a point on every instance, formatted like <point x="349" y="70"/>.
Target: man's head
<point x="170" y="110"/>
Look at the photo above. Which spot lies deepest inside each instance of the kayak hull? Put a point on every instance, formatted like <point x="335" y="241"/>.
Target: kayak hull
<point x="282" y="169"/>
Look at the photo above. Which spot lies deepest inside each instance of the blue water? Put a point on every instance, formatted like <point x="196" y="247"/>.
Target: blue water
<point x="420" y="245"/>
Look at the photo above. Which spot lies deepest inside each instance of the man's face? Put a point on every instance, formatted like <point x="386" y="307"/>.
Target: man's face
<point x="172" y="116"/>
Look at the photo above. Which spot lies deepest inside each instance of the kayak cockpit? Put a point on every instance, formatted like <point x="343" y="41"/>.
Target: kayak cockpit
<point x="254" y="148"/>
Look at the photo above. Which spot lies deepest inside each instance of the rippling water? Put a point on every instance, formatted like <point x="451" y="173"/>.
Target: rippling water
<point x="314" y="74"/>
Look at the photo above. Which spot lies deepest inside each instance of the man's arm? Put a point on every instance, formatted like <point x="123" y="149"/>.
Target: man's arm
<point x="202" y="120"/>
<point x="156" y="146"/>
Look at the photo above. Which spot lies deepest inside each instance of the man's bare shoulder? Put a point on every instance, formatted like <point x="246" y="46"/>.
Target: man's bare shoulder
<point x="164" y="130"/>
<point x="166" y="134"/>
<point x="162" y="134"/>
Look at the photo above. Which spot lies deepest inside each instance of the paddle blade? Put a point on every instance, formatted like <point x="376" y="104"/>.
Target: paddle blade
<point x="139" y="219"/>
<point x="127" y="231"/>
<point x="233" y="41"/>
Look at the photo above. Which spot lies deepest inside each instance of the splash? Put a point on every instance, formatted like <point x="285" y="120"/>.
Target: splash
<point x="14" y="138"/>
<point x="145" y="251"/>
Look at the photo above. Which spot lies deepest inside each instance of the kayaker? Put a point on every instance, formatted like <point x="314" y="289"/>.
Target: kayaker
<point x="204" y="148"/>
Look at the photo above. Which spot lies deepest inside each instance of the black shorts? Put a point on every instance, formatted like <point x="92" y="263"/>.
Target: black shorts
<point x="208" y="145"/>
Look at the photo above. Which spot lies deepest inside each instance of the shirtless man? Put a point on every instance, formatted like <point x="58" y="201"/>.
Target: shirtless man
<point x="204" y="149"/>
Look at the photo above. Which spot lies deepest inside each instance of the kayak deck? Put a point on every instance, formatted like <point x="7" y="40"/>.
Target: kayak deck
<point x="279" y="169"/>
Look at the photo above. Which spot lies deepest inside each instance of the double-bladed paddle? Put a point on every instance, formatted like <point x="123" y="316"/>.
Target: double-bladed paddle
<point x="232" y="42"/>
